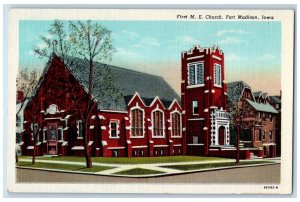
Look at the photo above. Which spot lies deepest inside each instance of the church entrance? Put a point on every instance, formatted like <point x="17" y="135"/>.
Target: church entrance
<point x="221" y="135"/>
<point x="52" y="139"/>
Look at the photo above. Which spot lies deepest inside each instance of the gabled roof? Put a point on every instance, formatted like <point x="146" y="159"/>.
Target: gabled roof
<point x="265" y="95"/>
<point x="262" y="107"/>
<point x="257" y="94"/>
<point x="274" y="100"/>
<point x="235" y="90"/>
<point x="128" y="82"/>
<point x="148" y="101"/>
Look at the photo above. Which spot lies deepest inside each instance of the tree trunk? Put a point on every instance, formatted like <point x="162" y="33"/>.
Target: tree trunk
<point x="33" y="154"/>
<point x="238" y="146"/>
<point x="87" y="155"/>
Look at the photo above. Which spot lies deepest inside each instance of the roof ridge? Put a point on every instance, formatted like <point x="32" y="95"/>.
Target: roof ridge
<point x="118" y="67"/>
<point x="126" y="69"/>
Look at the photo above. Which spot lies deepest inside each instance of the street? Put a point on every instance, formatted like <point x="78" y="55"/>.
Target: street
<point x="268" y="174"/>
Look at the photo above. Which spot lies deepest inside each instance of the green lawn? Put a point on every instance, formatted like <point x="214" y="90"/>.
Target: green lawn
<point x="68" y="167"/>
<point x="138" y="171"/>
<point x="133" y="160"/>
<point x="212" y="165"/>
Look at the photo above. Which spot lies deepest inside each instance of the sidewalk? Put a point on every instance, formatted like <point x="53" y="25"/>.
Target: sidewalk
<point x="154" y="167"/>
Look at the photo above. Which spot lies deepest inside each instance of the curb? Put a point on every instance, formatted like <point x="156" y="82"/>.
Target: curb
<point x="148" y="176"/>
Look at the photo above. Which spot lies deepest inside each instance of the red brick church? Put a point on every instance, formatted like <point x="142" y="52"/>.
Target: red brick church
<point x="145" y="121"/>
<point x="149" y="119"/>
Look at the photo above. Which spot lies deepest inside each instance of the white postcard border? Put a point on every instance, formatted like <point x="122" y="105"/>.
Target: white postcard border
<point x="287" y="20"/>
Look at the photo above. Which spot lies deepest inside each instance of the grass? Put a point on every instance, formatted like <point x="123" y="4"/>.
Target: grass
<point x="68" y="167"/>
<point x="133" y="160"/>
<point x="138" y="171"/>
<point x="212" y="165"/>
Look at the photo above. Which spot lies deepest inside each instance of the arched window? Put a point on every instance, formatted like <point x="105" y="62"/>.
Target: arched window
<point x="157" y="124"/>
<point x="176" y="123"/>
<point x="137" y="117"/>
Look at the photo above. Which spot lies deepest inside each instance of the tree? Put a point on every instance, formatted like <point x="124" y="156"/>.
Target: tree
<point x="242" y="117"/>
<point x="26" y="82"/>
<point x="91" y="42"/>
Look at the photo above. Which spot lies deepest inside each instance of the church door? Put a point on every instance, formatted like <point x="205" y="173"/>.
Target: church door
<point x="221" y="135"/>
<point x="52" y="139"/>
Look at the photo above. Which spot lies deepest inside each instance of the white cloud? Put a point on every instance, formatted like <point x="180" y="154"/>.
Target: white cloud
<point x="230" y="40"/>
<point x="268" y="56"/>
<point x="150" y="42"/>
<point x="231" y="31"/>
<point x="147" y="41"/>
<point x="125" y="35"/>
<point x="126" y="53"/>
<point x="187" y="40"/>
<point x="130" y="34"/>
<point x="233" y="57"/>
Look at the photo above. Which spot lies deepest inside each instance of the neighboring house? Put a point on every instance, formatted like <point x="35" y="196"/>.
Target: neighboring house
<point x="145" y="121"/>
<point x="275" y="101"/>
<point x="262" y="135"/>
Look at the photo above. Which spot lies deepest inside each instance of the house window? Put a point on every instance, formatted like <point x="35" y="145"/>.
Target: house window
<point x="259" y="135"/>
<point x="277" y="106"/>
<point x="270" y="116"/>
<point x="60" y="134"/>
<point x="155" y="152"/>
<point x="271" y="135"/>
<point x="259" y="116"/>
<point x="79" y="129"/>
<point x="157" y="123"/>
<point x="217" y="75"/>
<point x="179" y="151"/>
<point x="115" y="153"/>
<point x="114" y="129"/>
<point x="161" y="152"/>
<point x="196" y="74"/>
<point x="137" y="117"/>
<point x="195" y="107"/>
<point x="195" y="140"/>
<point x="176" y="122"/>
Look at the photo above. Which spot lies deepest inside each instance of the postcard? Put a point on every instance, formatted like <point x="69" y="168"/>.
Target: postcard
<point x="150" y="101"/>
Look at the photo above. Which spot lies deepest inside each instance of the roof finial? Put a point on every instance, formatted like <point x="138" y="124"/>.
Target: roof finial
<point x="54" y="43"/>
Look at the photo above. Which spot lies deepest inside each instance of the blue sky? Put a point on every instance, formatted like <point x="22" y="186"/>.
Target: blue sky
<point x="252" y="49"/>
